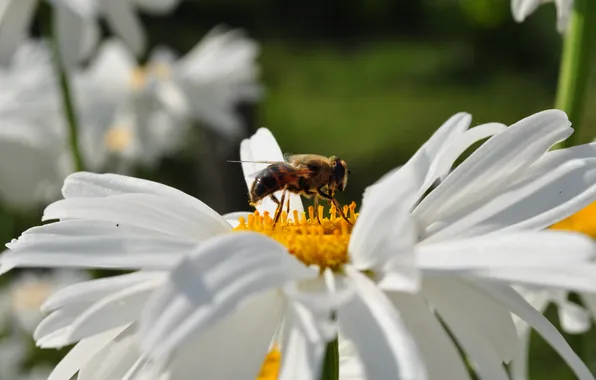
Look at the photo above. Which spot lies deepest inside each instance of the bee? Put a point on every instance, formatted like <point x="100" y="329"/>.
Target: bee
<point x="309" y="175"/>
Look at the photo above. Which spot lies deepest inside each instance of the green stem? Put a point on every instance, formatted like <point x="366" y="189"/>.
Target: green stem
<point x="575" y="65"/>
<point x="331" y="364"/>
<point x="69" y="111"/>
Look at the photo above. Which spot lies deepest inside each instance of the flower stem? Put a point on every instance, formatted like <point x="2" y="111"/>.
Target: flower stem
<point x="331" y="363"/>
<point x="67" y="101"/>
<point x="575" y="65"/>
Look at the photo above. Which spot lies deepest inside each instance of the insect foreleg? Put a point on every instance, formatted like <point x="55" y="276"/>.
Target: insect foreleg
<point x="279" y="208"/>
<point x="331" y="200"/>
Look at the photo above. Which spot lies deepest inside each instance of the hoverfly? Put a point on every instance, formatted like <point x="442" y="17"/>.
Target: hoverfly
<point x="304" y="174"/>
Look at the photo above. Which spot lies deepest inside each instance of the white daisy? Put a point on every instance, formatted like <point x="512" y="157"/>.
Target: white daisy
<point x="147" y="227"/>
<point x="477" y="233"/>
<point x="77" y="24"/>
<point x="523" y="8"/>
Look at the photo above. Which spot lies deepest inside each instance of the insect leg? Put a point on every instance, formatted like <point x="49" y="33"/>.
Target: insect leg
<point x="288" y="208"/>
<point x="331" y="199"/>
<point x="279" y="208"/>
<point x="317" y="208"/>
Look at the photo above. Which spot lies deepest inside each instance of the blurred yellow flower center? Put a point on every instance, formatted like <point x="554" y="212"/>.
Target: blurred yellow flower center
<point x="118" y="138"/>
<point x="583" y="221"/>
<point x="271" y="364"/>
<point x="30" y="296"/>
<point x="140" y="74"/>
<point x="323" y="244"/>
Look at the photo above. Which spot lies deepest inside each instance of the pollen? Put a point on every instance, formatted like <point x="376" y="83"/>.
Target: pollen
<point x="323" y="244"/>
<point x="583" y="221"/>
<point x="271" y="365"/>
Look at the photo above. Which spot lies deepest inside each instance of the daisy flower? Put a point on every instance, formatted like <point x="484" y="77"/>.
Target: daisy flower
<point x="150" y="228"/>
<point x="574" y="318"/>
<point x="523" y="8"/>
<point x="473" y="236"/>
<point x="77" y="24"/>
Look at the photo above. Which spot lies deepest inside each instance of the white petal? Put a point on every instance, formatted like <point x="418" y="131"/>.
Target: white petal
<point x="210" y="283"/>
<point x="519" y="365"/>
<point x="80" y="354"/>
<point x="421" y="168"/>
<point x="304" y="348"/>
<point x="157" y="6"/>
<point x="522" y="8"/>
<point x="242" y="338"/>
<point x="93" y="185"/>
<point x="550" y="204"/>
<point x="262" y="146"/>
<point x="470" y="313"/>
<point x="514" y="250"/>
<point x="54" y="326"/>
<point x="564" y="8"/>
<point x="95" y="251"/>
<point x="384" y="236"/>
<point x="533" y="203"/>
<point x="125" y="23"/>
<point x="233" y="217"/>
<point x="114" y="360"/>
<point x="15" y="17"/>
<point x="94" y="290"/>
<point x="115" y="310"/>
<point x="514" y="302"/>
<point x="589" y="301"/>
<point x="499" y="160"/>
<point x="153" y="212"/>
<point x="574" y="319"/>
<point x="578" y="277"/>
<point x="382" y="340"/>
<point x="439" y="353"/>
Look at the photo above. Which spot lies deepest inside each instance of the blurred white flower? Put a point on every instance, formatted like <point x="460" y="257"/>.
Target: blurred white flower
<point x="30" y="290"/>
<point x="76" y="24"/>
<point x="523" y="8"/>
<point x="151" y="108"/>
<point x="32" y="147"/>
<point x="206" y="84"/>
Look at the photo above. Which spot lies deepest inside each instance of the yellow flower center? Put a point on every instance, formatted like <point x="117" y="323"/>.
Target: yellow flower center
<point x="271" y="364"/>
<point x="323" y="244"/>
<point x="118" y="138"/>
<point x="583" y="221"/>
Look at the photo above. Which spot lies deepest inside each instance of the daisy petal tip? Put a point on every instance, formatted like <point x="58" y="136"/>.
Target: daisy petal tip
<point x="4" y="267"/>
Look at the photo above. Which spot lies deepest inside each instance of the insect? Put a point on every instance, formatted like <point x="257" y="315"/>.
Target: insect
<point x="304" y="174"/>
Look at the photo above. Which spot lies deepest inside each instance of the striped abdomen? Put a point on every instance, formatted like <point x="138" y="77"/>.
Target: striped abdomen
<point x="271" y="179"/>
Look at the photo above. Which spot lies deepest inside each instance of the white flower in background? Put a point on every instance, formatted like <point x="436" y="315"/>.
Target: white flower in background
<point x="206" y="84"/>
<point x="76" y="24"/>
<point x="32" y="144"/>
<point x="30" y="290"/>
<point x="523" y="8"/>
<point x="151" y="108"/>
